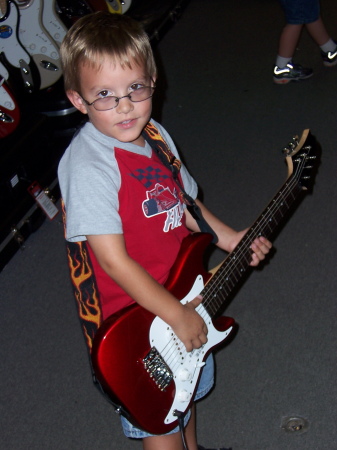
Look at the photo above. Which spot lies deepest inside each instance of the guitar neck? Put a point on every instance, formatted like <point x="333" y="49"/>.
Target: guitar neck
<point x="230" y="272"/>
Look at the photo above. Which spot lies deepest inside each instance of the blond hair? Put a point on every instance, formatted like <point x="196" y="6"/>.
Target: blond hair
<point x="102" y="34"/>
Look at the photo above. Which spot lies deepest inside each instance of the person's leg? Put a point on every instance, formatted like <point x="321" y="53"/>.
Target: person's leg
<point x="328" y="47"/>
<point x="165" y="442"/>
<point x="318" y="32"/>
<point x="174" y="441"/>
<point x="297" y="13"/>
<point x="285" y="70"/>
<point x="191" y="431"/>
<point x="288" y="40"/>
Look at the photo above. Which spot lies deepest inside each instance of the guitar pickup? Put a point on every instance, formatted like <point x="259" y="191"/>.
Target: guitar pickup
<point x="5" y="118"/>
<point x="26" y="76"/>
<point x="49" y="66"/>
<point x="157" y="369"/>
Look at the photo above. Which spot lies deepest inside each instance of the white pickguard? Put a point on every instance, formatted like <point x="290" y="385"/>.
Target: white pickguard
<point x="14" y="52"/>
<point x="5" y="99"/>
<point x="52" y="22"/>
<point x="39" y="44"/>
<point x="8" y="43"/>
<point x="3" y="73"/>
<point x="185" y="366"/>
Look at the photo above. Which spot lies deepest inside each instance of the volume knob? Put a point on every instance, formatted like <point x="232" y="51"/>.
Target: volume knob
<point x="184" y="375"/>
<point x="184" y="396"/>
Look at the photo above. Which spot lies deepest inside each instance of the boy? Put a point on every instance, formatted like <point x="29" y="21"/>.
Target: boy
<point x="108" y="177"/>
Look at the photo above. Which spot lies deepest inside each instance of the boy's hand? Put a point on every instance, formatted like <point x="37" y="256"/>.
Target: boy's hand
<point x="260" y="247"/>
<point x="189" y="326"/>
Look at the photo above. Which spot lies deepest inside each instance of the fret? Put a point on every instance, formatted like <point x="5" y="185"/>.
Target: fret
<point x="230" y="272"/>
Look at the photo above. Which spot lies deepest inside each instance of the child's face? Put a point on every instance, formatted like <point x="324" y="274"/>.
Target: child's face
<point x="127" y="120"/>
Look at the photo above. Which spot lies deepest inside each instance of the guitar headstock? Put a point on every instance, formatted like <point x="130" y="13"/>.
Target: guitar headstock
<point x="303" y="158"/>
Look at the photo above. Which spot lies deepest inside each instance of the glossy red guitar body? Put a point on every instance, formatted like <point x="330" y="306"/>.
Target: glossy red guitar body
<point x="122" y="342"/>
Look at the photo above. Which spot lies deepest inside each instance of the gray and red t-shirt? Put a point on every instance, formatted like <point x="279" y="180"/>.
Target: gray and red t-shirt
<point x="109" y="187"/>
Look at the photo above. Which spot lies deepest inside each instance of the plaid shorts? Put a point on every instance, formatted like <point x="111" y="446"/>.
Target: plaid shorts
<point x="205" y="385"/>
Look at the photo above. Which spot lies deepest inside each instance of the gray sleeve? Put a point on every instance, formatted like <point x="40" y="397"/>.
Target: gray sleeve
<point x="89" y="183"/>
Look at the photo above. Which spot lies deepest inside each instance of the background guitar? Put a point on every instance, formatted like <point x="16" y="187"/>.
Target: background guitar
<point x="72" y="10"/>
<point x="125" y="5"/>
<point x="23" y="73"/>
<point x="52" y="23"/>
<point x="38" y="42"/>
<point x="118" y="6"/>
<point x="9" y="110"/>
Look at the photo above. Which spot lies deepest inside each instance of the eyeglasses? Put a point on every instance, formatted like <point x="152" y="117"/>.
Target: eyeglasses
<point x="110" y="101"/>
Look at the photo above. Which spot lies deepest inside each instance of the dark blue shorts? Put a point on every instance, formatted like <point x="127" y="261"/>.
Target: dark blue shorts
<point x="299" y="12"/>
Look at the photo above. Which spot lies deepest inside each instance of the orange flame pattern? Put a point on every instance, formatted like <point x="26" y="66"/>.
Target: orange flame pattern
<point x="84" y="287"/>
<point x="153" y="135"/>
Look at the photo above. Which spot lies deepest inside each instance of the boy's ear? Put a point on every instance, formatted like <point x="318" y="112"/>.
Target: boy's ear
<point x="75" y="98"/>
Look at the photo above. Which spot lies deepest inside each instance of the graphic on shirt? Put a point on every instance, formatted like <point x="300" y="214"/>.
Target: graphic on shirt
<point x="149" y="176"/>
<point x="161" y="200"/>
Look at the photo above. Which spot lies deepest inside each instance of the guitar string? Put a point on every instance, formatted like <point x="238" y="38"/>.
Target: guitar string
<point x="240" y="258"/>
<point x="239" y="254"/>
<point x="174" y="344"/>
<point x="288" y="189"/>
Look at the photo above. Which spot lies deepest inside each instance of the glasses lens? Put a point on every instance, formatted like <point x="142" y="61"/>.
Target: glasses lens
<point x="138" y="95"/>
<point x="110" y="102"/>
<point x="103" y="104"/>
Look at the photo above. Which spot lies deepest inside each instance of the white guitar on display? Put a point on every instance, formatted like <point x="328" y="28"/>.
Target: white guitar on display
<point x="14" y="56"/>
<point x="38" y="43"/>
<point x="52" y="22"/>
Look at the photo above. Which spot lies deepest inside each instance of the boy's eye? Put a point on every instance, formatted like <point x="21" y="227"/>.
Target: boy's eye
<point x="136" y="86"/>
<point x="103" y="94"/>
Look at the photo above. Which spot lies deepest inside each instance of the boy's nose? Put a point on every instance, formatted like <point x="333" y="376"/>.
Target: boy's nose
<point x="124" y="105"/>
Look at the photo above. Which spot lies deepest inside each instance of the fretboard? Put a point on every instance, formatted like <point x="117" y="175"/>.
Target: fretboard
<point x="230" y="272"/>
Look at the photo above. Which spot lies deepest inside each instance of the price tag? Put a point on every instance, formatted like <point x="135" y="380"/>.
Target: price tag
<point x="43" y="200"/>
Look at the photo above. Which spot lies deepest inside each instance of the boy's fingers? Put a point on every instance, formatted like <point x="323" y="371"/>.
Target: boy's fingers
<point x="196" y="301"/>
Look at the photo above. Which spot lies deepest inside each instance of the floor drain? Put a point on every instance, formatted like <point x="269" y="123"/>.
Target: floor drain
<point x="296" y="425"/>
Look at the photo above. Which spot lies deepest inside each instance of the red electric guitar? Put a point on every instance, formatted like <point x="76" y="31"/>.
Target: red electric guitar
<point x="139" y="361"/>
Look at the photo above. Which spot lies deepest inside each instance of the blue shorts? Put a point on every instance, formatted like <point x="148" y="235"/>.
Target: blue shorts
<point x="299" y="12"/>
<point x="205" y="385"/>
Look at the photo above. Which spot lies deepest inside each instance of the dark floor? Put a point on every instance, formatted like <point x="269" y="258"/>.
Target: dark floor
<point x="230" y="122"/>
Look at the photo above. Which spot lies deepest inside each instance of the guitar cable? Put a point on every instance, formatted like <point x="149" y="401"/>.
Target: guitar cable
<point x="181" y="416"/>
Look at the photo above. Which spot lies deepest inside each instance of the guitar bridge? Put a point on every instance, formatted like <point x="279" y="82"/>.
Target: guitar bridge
<point x="158" y="369"/>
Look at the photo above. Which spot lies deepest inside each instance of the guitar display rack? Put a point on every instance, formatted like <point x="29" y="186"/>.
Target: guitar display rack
<point x="37" y="121"/>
